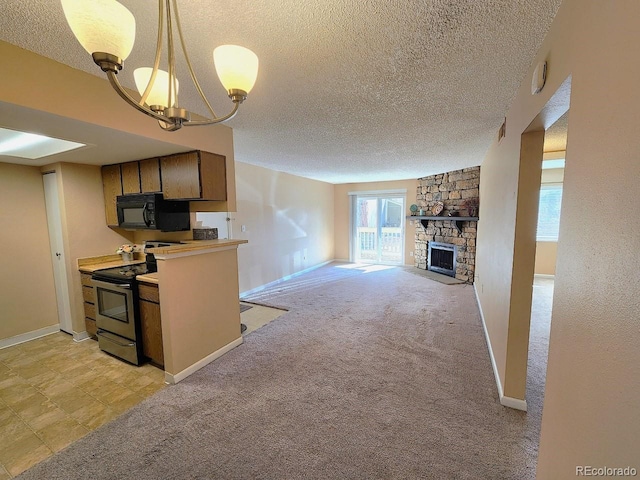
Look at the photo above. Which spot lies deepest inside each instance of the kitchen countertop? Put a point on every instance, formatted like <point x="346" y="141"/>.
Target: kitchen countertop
<point x="92" y="264"/>
<point x="148" y="278"/>
<point x="195" y="245"/>
<point x="92" y="267"/>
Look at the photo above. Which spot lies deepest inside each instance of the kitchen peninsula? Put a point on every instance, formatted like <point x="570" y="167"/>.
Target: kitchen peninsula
<point x="198" y="301"/>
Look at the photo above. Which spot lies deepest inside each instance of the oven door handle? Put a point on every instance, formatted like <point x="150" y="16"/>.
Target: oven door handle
<point x="109" y="285"/>
<point x="111" y="339"/>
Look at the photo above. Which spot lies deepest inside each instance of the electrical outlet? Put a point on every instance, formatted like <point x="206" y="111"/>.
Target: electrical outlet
<point x="411" y="253"/>
<point x="243" y="228"/>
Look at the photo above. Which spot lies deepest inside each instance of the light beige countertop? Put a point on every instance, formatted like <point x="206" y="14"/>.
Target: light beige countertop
<point x="148" y="278"/>
<point x="91" y="264"/>
<point x="195" y="245"/>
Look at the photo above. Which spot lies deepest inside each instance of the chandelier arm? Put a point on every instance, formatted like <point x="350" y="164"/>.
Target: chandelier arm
<point x="113" y="79"/>
<point x="170" y="127"/>
<point x="188" y="60"/>
<point x="173" y="92"/>
<point x="213" y="121"/>
<point x="156" y="62"/>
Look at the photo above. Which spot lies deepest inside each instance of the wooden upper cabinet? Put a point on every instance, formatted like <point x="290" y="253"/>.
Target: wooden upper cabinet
<point x="181" y="175"/>
<point x="150" y="176"/>
<point x="130" y="178"/>
<point x="214" y="176"/>
<point x="111" y="187"/>
<point x="194" y="176"/>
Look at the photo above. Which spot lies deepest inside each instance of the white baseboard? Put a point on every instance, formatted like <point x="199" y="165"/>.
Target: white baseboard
<point x="283" y="279"/>
<point x="505" y="401"/>
<point x="514" y="403"/>
<point x="81" y="336"/>
<point x="25" y="337"/>
<point x="542" y="275"/>
<point x="173" y="379"/>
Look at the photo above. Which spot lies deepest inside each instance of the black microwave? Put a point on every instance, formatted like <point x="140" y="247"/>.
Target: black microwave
<point x="150" y="211"/>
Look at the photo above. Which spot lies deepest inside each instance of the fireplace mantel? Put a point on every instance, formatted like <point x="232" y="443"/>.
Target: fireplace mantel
<point x="457" y="220"/>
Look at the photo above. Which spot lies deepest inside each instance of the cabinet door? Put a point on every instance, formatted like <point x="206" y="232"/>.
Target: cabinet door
<point x="130" y="178"/>
<point x="92" y="329"/>
<point x="151" y="331"/>
<point x="181" y="176"/>
<point x="150" y="175"/>
<point x="213" y="176"/>
<point x="111" y="187"/>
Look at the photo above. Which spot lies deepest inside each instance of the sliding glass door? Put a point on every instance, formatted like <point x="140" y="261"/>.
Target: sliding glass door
<point x="378" y="229"/>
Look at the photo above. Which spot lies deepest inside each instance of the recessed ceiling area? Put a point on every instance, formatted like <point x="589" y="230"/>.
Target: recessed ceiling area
<point x="347" y="91"/>
<point x="103" y="145"/>
<point x="32" y="146"/>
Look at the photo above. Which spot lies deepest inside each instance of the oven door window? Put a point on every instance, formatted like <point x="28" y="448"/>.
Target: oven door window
<point x="113" y="305"/>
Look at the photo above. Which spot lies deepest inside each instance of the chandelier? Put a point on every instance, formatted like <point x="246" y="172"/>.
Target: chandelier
<point x="106" y="29"/>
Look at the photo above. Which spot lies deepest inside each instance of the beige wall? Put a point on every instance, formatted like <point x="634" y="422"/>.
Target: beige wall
<point x="289" y="224"/>
<point x="342" y="214"/>
<point x="546" y="255"/>
<point x="546" y="252"/>
<point x="27" y="299"/>
<point x="590" y="412"/>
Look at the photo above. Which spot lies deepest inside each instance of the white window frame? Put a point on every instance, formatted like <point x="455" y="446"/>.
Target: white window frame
<point x="548" y="238"/>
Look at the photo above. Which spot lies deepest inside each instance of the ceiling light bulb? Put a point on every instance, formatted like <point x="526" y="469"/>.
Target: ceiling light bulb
<point x="160" y="91"/>
<point x="101" y="26"/>
<point x="237" y="67"/>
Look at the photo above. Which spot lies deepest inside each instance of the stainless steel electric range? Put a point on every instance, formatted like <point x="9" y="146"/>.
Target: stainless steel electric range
<point x="117" y="311"/>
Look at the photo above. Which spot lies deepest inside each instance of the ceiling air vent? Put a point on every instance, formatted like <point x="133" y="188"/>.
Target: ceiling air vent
<point x="503" y="130"/>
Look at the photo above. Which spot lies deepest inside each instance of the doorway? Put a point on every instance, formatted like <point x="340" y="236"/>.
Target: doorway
<point x="534" y="140"/>
<point x="56" y="244"/>
<point x="547" y="233"/>
<point x="378" y="228"/>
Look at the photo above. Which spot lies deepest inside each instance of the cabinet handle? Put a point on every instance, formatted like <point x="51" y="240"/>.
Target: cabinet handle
<point x="145" y="216"/>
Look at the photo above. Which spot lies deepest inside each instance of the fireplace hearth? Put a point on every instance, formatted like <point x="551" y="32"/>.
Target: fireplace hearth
<point x="442" y="258"/>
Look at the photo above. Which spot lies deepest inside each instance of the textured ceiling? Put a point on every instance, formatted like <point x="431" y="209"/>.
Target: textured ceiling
<point x="348" y="90"/>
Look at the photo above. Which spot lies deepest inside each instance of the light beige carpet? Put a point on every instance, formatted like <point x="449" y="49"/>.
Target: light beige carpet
<point x="372" y="374"/>
<point x="438" y="277"/>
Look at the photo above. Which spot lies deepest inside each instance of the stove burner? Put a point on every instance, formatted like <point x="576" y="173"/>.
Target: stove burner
<point x="125" y="273"/>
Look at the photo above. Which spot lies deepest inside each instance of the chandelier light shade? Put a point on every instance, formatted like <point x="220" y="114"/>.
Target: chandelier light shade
<point x="106" y="29"/>
<point x="101" y="26"/>
<point x="159" y="93"/>
<point x="237" y="67"/>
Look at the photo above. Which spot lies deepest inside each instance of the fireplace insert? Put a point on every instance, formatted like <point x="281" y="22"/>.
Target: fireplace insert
<point x="442" y="258"/>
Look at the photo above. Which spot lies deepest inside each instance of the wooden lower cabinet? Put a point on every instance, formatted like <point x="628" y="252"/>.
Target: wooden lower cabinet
<point x="151" y="323"/>
<point x="89" y="306"/>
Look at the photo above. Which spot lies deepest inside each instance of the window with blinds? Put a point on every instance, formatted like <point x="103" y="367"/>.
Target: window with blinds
<point x="549" y="212"/>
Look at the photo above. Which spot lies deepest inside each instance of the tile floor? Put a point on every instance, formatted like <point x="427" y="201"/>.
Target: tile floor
<point x="258" y="316"/>
<point x="54" y="391"/>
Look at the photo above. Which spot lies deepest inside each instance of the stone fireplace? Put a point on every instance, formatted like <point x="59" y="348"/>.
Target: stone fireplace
<point x="456" y="225"/>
